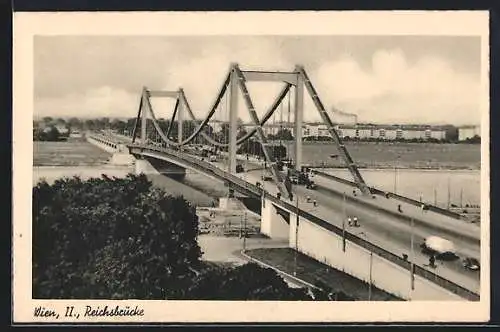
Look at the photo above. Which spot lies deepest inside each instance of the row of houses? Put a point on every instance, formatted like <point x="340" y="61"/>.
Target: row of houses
<point x="362" y="131"/>
<point x="369" y="131"/>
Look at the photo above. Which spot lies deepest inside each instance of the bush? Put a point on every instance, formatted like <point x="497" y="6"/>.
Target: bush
<point x="110" y="238"/>
<point x="245" y="282"/>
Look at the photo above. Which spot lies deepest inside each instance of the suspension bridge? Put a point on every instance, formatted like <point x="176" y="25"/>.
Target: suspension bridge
<point x="386" y="240"/>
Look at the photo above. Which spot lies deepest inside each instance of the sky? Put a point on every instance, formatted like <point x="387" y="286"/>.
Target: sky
<point x="382" y="79"/>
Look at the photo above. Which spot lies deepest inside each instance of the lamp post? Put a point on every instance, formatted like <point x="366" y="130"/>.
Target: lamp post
<point x="343" y="223"/>
<point x="370" y="283"/>
<point x="296" y="235"/>
<point x="448" y="193"/>
<point x="412" y="258"/>
<point x="396" y="174"/>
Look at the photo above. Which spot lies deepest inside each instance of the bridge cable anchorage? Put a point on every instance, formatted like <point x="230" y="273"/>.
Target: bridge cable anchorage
<point x="360" y="182"/>
<point x="261" y="136"/>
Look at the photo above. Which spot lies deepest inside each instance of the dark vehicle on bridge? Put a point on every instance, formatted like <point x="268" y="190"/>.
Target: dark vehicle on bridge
<point x="471" y="264"/>
<point x="301" y="178"/>
<point x="311" y="185"/>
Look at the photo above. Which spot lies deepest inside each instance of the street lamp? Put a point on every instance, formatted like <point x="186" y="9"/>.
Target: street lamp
<point x="412" y="259"/>
<point x="343" y="223"/>
<point x="396" y="173"/>
<point x="363" y="234"/>
<point x="296" y="235"/>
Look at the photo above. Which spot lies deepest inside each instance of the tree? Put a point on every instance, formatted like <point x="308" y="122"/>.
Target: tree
<point x="110" y="238"/>
<point x="283" y="134"/>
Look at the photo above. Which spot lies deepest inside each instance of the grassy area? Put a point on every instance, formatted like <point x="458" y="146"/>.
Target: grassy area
<point x="411" y="155"/>
<point x="71" y="153"/>
<point x="312" y="271"/>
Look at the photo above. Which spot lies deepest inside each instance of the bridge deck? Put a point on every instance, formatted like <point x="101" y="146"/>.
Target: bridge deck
<point x="384" y="230"/>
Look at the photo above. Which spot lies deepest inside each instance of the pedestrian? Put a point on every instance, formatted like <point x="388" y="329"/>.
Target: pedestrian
<point x="315" y="203"/>
<point x="399" y="208"/>
<point x="308" y="199"/>
<point x="349" y="221"/>
<point x="432" y="261"/>
<point x="355" y="221"/>
<point x="278" y="195"/>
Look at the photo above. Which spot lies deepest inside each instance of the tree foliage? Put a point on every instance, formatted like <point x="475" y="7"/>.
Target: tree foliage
<point x="112" y="238"/>
<point x="245" y="282"/>
<point x="52" y="134"/>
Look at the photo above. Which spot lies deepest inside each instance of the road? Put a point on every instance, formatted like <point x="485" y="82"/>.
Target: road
<point x="381" y="228"/>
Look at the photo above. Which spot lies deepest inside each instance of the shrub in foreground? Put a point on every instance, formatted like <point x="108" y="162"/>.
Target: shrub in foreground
<point x="111" y="238"/>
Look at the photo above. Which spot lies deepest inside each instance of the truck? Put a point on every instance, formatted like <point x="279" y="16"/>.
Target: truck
<point x="300" y="178"/>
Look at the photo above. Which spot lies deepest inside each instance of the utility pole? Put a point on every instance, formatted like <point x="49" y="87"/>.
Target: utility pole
<point x="395" y="178"/>
<point x="448" y="193"/>
<point x="412" y="276"/>
<point x="343" y="223"/>
<point x="461" y="196"/>
<point x="371" y="282"/>
<point x="245" y="230"/>
<point x="296" y="235"/>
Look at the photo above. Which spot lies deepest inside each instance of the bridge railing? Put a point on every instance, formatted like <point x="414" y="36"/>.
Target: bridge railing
<point x="248" y="188"/>
<point x="103" y="139"/>
<point x="404" y="199"/>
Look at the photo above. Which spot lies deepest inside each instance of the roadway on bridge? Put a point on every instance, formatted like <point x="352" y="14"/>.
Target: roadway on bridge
<point x="386" y="230"/>
<point x="382" y="229"/>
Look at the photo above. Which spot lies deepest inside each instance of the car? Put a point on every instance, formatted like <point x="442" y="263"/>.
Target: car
<point x="213" y="158"/>
<point x="471" y="264"/>
<point x="311" y="185"/>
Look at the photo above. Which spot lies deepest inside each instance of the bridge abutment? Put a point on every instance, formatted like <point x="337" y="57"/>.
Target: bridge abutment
<point x="273" y="224"/>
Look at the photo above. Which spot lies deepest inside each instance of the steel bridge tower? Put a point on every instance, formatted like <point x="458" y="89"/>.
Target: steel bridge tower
<point x="235" y="82"/>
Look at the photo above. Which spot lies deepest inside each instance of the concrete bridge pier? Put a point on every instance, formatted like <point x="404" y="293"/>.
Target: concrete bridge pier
<point x="122" y="156"/>
<point x="273" y="224"/>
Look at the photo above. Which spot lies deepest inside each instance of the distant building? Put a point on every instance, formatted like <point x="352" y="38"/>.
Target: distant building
<point x="465" y="132"/>
<point x="383" y="132"/>
<point x="216" y="125"/>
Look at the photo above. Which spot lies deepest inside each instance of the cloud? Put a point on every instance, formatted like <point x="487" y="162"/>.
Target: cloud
<point x="427" y="90"/>
<point x="104" y="101"/>
<point x="201" y="77"/>
<point x="390" y="88"/>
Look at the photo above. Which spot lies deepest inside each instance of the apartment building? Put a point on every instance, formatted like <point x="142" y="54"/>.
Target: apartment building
<point x="465" y="132"/>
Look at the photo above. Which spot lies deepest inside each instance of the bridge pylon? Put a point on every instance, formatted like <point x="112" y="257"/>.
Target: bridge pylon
<point x="236" y="80"/>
